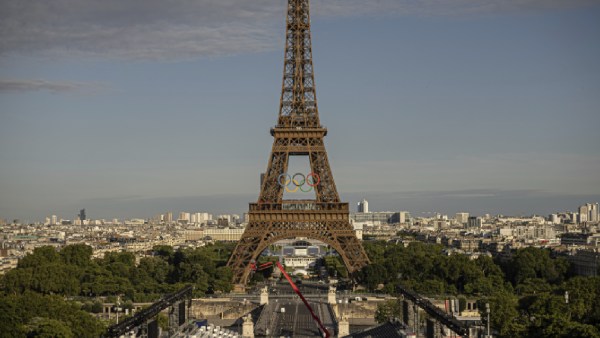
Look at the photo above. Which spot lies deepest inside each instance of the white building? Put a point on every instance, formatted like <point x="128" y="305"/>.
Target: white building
<point x="184" y="217"/>
<point x="583" y="213"/>
<point x="404" y="217"/>
<point x="226" y="234"/>
<point x="363" y="206"/>
<point x="588" y="213"/>
<point x="462" y="217"/>
<point x="474" y="222"/>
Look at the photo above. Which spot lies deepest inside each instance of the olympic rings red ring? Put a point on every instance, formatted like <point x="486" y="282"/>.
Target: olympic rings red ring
<point x="313" y="175"/>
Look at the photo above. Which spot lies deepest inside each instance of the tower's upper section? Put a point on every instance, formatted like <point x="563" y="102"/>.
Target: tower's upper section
<point x="298" y="105"/>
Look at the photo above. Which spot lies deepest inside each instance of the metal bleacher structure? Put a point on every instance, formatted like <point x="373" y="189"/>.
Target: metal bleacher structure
<point x="208" y="331"/>
<point x="144" y="323"/>
<point x="440" y="316"/>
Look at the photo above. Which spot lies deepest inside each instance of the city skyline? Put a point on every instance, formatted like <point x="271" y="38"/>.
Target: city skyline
<point x="487" y="108"/>
<point x="474" y="210"/>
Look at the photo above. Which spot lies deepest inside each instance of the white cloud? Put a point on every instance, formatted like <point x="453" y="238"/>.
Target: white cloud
<point x="53" y="86"/>
<point x="438" y="7"/>
<point x="183" y="29"/>
<point x="149" y="29"/>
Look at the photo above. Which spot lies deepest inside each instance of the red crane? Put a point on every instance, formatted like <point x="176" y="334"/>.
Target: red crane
<point x="295" y="288"/>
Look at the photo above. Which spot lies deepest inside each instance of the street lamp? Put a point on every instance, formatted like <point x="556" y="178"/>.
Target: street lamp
<point x="567" y="303"/>
<point x="416" y="310"/>
<point x="487" y="311"/>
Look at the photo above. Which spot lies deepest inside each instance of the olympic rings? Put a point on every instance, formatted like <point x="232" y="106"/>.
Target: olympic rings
<point x="298" y="180"/>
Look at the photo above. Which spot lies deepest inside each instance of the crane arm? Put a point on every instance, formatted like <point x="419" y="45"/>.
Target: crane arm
<point x="315" y="317"/>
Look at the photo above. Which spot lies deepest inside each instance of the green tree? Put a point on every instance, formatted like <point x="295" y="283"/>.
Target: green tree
<point x="76" y="254"/>
<point x="19" y="313"/>
<point x="48" y="328"/>
<point x="532" y="262"/>
<point x="40" y="256"/>
<point x="504" y="315"/>
<point x="17" y="280"/>
<point x="222" y="280"/>
<point x="164" y="251"/>
<point x="584" y="297"/>
<point x="163" y="321"/>
<point x="373" y="275"/>
<point x="10" y="322"/>
<point x="388" y="310"/>
<point x="97" y="307"/>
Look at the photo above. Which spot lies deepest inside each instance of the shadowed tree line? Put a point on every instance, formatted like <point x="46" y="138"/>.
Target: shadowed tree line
<point x="33" y="295"/>
<point x="526" y="292"/>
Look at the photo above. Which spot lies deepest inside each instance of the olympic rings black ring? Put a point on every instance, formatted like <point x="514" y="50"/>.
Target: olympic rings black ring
<point x="312" y="180"/>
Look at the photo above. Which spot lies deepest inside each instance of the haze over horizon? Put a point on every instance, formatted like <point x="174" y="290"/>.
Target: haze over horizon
<point x="130" y="109"/>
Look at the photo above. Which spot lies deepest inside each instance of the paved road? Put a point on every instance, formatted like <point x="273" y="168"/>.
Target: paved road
<point x="296" y="320"/>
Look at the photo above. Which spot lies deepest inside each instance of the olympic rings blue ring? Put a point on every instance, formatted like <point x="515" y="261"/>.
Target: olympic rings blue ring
<point x="287" y="180"/>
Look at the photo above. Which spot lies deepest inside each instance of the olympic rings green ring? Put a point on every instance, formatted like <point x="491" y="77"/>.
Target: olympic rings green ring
<point x="309" y="189"/>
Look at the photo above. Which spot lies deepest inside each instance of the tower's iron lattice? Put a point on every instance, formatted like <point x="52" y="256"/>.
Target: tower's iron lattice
<point x="298" y="132"/>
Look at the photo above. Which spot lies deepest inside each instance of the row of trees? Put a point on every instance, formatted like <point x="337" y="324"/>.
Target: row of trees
<point x="526" y="292"/>
<point x="428" y="270"/>
<point x="32" y="314"/>
<point x="73" y="272"/>
<point x="47" y="277"/>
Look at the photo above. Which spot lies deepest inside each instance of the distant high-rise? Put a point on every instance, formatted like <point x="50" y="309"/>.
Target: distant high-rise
<point x="584" y="213"/>
<point x="474" y="222"/>
<point x="184" y="217"/>
<point x="363" y="206"/>
<point x="404" y="217"/>
<point x="592" y="211"/>
<point x="53" y="220"/>
<point x="82" y="215"/>
<point x="201" y="217"/>
<point x="462" y="217"/>
<point x="168" y="217"/>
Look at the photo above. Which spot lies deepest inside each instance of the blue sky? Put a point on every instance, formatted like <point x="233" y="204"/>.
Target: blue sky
<point x="133" y="108"/>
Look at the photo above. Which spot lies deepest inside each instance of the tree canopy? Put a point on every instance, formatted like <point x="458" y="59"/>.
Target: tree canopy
<point x="42" y="280"/>
<point x="526" y="292"/>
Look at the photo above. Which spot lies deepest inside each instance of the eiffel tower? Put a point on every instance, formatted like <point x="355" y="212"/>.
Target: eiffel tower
<point x="298" y="133"/>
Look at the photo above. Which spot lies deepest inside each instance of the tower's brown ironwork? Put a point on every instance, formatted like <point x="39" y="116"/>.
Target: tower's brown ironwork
<point x="298" y="132"/>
